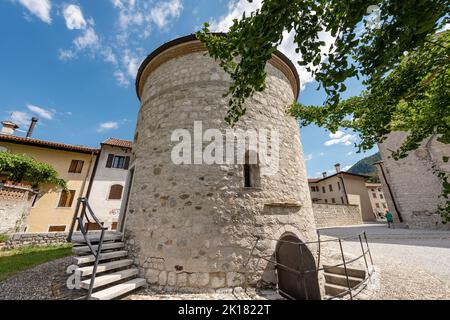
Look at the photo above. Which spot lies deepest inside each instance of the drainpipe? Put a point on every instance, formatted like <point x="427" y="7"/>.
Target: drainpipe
<point x="390" y="191"/>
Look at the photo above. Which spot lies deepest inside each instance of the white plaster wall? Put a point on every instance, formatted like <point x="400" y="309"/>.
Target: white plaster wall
<point x="107" y="210"/>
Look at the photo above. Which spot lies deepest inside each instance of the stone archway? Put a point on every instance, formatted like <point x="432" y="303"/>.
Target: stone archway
<point x="291" y="256"/>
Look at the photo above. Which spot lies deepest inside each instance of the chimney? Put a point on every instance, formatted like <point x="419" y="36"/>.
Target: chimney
<point x="338" y="167"/>
<point x="32" y="125"/>
<point x="324" y="174"/>
<point x="9" y="127"/>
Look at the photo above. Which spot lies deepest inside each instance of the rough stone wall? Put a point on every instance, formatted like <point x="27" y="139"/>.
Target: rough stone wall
<point x="17" y="240"/>
<point x="192" y="227"/>
<point x="332" y="215"/>
<point x="414" y="186"/>
<point x="15" y="206"/>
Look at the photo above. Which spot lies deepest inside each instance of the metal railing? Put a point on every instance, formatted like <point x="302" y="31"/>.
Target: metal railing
<point x="85" y="209"/>
<point x="301" y="273"/>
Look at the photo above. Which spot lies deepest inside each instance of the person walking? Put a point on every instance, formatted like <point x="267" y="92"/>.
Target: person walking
<point x="389" y="219"/>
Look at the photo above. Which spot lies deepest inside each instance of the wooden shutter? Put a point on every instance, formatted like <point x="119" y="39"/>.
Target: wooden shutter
<point x="57" y="229"/>
<point x="115" y="193"/>
<point x="114" y="226"/>
<point x="110" y="160"/>
<point x="80" y="164"/>
<point x="66" y="200"/>
<point x="73" y="166"/>
<point x="127" y="163"/>
<point x="62" y="199"/>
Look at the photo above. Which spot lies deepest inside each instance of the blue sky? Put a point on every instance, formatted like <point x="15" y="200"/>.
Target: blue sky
<point x="72" y="64"/>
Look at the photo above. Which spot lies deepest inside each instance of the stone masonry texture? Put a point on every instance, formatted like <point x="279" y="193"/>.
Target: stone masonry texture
<point x="331" y="215"/>
<point x="415" y="188"/>
<point x="193" y="227"/>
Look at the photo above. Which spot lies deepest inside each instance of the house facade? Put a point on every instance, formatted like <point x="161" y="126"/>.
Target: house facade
<point x="377" y="199"/>
<point x="52" y="208"/>
<point x="106" y="189"/>
<point x="342" y="188"/>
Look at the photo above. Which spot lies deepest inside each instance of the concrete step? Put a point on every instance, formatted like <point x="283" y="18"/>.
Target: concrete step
<point x="333" y="290"/>
<point x="105" y="246"/>
<point x="355" y="273"/>
<point x="85" y="271"/>
<point x="95" y="237"/>
<point x="110" y="278"/>
<point x="103" y="256"/>
<point x="341" y="280"/>
<point x="118" y="290"/>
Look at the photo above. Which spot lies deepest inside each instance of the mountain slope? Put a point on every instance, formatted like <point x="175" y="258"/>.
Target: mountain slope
<point x="366" y="166"/>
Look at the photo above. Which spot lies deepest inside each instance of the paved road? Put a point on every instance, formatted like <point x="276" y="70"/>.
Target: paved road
<point x="414" y="264"/>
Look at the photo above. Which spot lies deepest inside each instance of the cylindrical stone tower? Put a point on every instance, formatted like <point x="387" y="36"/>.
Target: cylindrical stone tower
<point x="192" y="227"/>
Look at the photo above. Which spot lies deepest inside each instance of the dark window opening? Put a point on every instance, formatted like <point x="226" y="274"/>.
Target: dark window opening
<point x="76" y="166"/>
<point x="323" y="190"/>
<point x="330" y="187"/>
<point x="333" y="200"/>
<point x="117" y="162"/>
<point x="251" y="171"/>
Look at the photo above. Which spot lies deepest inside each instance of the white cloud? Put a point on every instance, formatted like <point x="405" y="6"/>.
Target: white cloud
<point x="122" y="79"/>
<point x="20" y="118"/>
<point x="350" y="153"/>
<point x="66" y="54"/>
<point x="164" y="11"/>
<point x="40" y="8"/>
<point x="74" y="17"/>
<point x="340" y="138"/>
<point x="107" y="126"/>
<point x="235" y="10"/>
<point x="88" y="39"/>
<point x="308" y="157"/>
<point x="43" y="113"/>
<point x="131" y="63"/>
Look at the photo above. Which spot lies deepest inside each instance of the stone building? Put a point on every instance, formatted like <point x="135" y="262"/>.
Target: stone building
<point x="411" y="188"/>
<point x="343" y="188"/>
<point x="192" y="227"/>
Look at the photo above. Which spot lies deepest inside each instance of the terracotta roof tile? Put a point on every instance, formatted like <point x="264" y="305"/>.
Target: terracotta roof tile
<point x="46" y="144"/>
<point x="118" y="143"/>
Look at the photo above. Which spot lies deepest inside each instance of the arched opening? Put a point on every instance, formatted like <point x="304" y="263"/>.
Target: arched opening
<point x="297" y="278"/>
<point x="115" y="193"/>
<point x="251" y="170"/>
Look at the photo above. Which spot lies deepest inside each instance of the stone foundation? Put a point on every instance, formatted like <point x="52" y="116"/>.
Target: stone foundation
<point x="333" y="215"/>
<point x="18" y="240"/>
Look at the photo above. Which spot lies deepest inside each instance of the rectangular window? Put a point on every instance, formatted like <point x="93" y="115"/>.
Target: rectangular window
<point x="117" y="162"/>
<point x="384" y="205"/>
<point x="381" y="196"/>
<point x="326" y="200"/>
<point x="377" y="205"/>
<point x="114" y="226"/>
<point x="323" y="190"/>
<point x="56" y="228"/>
<point x="76" y="166"/>
<point x="66" y="200"/>
<point x="333" y="200"/>
<point x="330" y="187"/>
<point x="374" y="195"/>
<point x="313" y="189"/>
<point x="339" y="185"/>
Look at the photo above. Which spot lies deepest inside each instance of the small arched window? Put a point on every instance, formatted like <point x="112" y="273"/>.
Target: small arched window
<point x="251" y="170"/>
<point x="115" y="193"/>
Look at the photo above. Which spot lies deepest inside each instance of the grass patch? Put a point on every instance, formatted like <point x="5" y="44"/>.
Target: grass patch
<point x="3" y="237"/>
<point x="16" y="260"/>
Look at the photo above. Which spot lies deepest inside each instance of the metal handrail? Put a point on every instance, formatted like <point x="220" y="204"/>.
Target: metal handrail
<point x="344" y="262"/>
<point x="84" y="204"/>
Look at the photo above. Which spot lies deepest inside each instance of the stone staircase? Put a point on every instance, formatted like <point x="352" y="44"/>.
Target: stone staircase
<point x="115" y="276"/>
<point x="336" y="280"/>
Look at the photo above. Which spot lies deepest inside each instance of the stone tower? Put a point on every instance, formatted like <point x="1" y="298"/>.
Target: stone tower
<point x="192" y="227"/>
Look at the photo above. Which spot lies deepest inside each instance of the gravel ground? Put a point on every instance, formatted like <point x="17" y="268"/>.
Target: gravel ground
<point x="34" y="283"/>
<point x="413" y="264"/>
